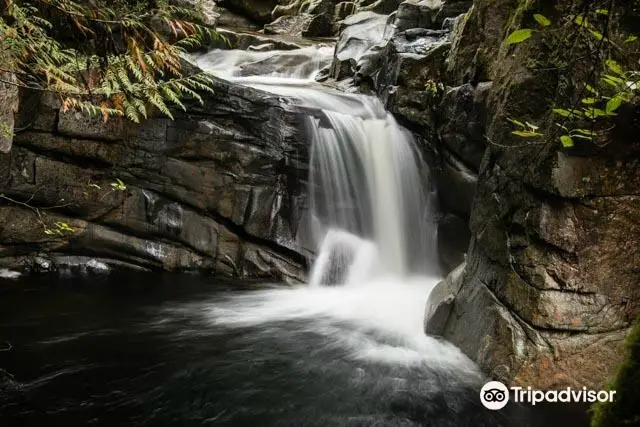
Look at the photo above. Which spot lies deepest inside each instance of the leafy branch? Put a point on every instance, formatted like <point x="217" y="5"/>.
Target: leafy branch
<point x="121" y="59"/>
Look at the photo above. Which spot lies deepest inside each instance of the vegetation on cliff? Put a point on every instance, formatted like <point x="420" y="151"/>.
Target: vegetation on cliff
<point x="623" y="411"/>
<point x="113" y="58"/>
<point x="592" y="48"/>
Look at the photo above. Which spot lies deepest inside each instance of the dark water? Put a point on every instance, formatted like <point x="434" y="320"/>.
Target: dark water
<point x="138" y="350"/>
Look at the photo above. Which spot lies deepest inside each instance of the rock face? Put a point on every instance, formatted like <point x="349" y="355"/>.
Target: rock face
<point x="8" y="109"/>
<point x="220" y="189"/>
<point x="550" y="285"/>
<point x="256" y="10"/>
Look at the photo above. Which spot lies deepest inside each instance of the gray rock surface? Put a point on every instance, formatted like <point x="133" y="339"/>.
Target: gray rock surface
<point x="256" y="10"/>
<point x="550" y="286"/>
<point x="441" y="301"/>
<point x="289" y="24"/>
<point x="221" y="189"/>
<point x="453" y="240"/>
<point x="417" y="14"/>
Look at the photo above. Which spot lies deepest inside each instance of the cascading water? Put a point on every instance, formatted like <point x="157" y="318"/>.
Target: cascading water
<point x="372" y="214"/>
<point x="370" y="201"/>
<point x="370" y="198"/>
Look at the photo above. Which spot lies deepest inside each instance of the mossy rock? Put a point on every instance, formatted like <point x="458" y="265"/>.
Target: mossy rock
<point x="624" y="410"/>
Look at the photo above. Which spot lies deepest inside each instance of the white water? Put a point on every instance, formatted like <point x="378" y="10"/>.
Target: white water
<point x="372" y="213"/>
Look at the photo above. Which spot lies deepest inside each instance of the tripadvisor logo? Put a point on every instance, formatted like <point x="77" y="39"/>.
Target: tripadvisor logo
<point x="494" y="395"/>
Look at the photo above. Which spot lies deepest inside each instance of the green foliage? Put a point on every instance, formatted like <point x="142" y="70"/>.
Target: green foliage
<point x="624" y="410"/>
<point x="542" y="20"/>
<point x="59" y="229"/>
<point x="605" y="89"/>
<point x="522" y="34"/>
<point x="108" y="58"/>
<point x="118" y="185"/>
<point x="525" y="130"/>
<point x="519" y="36"/>
<point x="5" y="129"/>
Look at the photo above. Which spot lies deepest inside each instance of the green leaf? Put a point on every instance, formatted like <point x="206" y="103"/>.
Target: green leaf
<point x="589" y="101"/>
<point x="517" y="123"/>
<point x="613" y="104"/>
<point x="562" y="112"/>
<point x="598" y="35"/>
<point x="613" y="80"/>
<point x="592" y="89"/>
<point x="542" y="20"/>
<point x="527" y="134"/>
<point x="567" y="141"/>
<point x="602" y="11"/>
<point x="581" y="21"/>
<point x="519" y="36"/>
<point x="594" y="113"/>
<point x="631" y="39"/>
<point x="614" y="67"/>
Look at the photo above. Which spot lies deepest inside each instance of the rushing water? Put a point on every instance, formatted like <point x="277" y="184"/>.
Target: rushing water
<point x="371" y="201"/>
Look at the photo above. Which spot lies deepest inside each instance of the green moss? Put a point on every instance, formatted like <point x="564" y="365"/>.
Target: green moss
<point x="624" y="410"/>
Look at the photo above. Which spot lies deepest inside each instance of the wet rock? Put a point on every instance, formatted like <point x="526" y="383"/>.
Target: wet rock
<point x="417" y="14"/>
<point x="293" y="25"/>
<point x="256" y="10"/>
<point x="343" y="9"/>
<point x="410" y="75"/>
<point x="319" y="7"/>
<point x="441" y="300"/>
<point x="383" y="7"/>
<point x="453" y="240"/>
<point x="451" y="9"/>
<point x="227" y="19"/>
<point x="290" y="8"/>
<point x="319" y="26"/>
<point x="463" y="116"/>
<point x="249" y="40"/>
<point x="459" y="183"/>
<point x="259" y="262"/>
<point x="217" y="177"/>
<point x="359" y="34"/>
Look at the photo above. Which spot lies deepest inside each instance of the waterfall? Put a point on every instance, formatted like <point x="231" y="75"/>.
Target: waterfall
<point x="370" y="195"/>
<point x="370" y="199"/>
<point x="372" y="210"/>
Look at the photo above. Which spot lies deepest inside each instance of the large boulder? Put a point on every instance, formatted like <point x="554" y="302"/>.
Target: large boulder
<point x="440" y="302"/>
<point x="359" y="34"/>
<point x="417" y="14"/>
<point x="319" y="26"/>
<point x="220" y="189"/>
